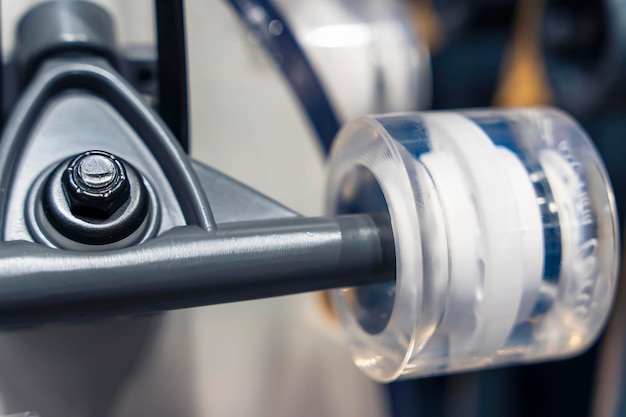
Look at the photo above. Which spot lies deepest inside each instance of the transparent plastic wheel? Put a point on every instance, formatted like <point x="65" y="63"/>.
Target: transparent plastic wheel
<point x="505" y="233"/>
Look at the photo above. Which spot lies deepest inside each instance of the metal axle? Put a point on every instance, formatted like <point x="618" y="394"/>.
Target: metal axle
<point x="189" y="267"/>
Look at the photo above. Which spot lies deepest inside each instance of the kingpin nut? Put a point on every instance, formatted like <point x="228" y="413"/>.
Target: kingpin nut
<point x="96" y="184"/>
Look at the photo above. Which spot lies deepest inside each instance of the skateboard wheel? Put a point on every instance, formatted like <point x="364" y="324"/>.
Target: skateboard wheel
<point x="505" y="234"/>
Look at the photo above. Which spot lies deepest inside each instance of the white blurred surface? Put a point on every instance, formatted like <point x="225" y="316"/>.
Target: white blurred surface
<point x="245" y="120"/>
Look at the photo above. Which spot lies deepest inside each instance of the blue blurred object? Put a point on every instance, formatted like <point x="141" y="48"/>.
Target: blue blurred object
<point x="263" y="20"/>
<point x="466" y="66"/>
<point x="584" y="49"/>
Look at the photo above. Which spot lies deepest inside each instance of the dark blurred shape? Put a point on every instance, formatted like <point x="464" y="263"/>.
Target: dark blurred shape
<point x="561" y="388"/>
<point x="584" y="48"/>
<point x="458" y="17"/>
<point x="466" y="64"/>
<point x="418" y="397"/>
<point x="172" y="68"/>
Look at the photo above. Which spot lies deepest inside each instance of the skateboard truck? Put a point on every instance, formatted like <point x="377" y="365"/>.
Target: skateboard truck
<point x="462" y="239"/>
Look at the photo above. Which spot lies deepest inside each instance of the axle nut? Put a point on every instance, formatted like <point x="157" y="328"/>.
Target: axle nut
<point x="96" y="184"/>
<point x="96" y="198"/>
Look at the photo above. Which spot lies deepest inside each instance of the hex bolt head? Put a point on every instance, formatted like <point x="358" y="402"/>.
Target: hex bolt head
<point x="95" y="184"/>
<point x="95" y="198"/>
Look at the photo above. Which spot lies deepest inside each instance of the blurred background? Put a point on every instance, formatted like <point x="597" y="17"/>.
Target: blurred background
<point x="265" y="111"/>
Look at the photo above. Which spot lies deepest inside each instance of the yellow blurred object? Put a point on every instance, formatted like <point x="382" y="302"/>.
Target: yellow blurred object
<point x="425" y="20"/>
<point x="523" y="79"/>
<point x="327" y="308"/>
